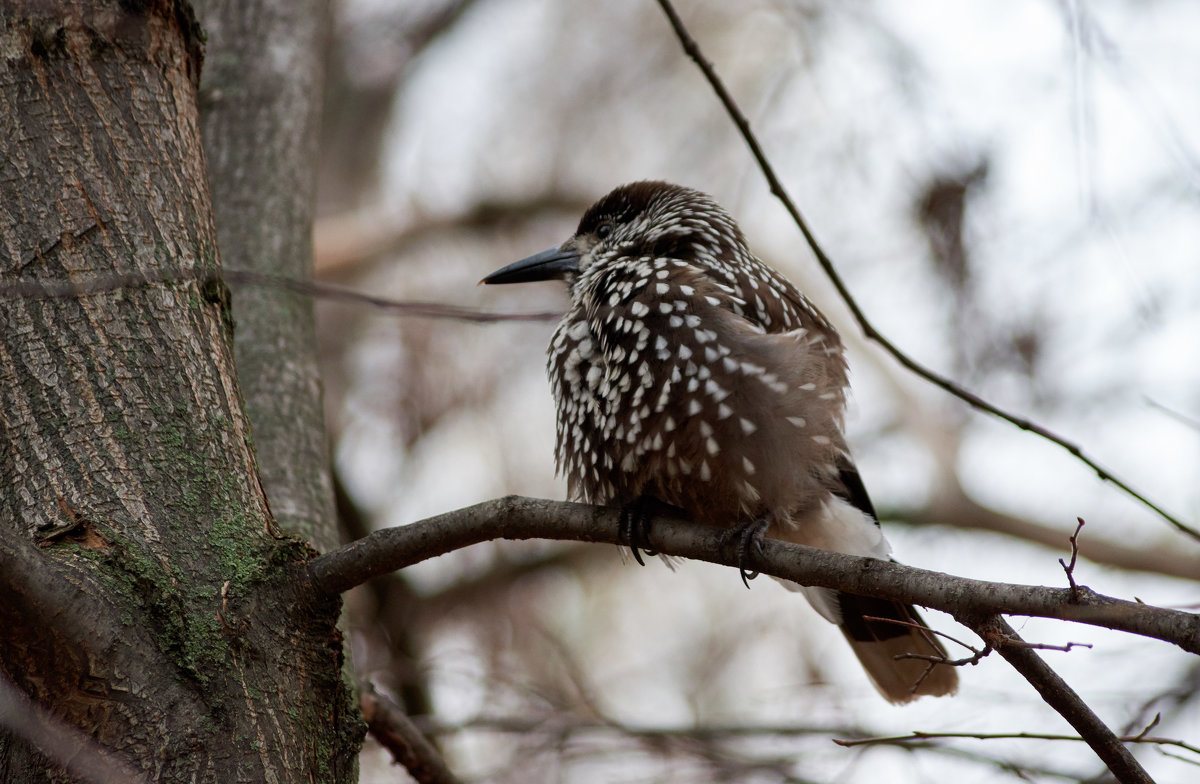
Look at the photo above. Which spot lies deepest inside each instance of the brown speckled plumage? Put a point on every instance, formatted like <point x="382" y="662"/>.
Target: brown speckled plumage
<point x="689" y="372"/>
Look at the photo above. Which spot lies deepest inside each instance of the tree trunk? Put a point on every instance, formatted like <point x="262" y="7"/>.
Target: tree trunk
<point x="149" y="596"/>
<point x="260" y="108"/>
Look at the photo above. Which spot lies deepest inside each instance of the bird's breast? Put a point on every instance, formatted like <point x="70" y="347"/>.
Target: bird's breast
<point x="670" y="395"/>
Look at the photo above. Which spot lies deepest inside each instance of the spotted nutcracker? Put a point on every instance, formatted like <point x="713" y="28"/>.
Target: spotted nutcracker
<point x="689" y="373"/>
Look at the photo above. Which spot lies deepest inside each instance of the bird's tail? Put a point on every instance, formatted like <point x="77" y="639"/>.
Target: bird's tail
<point x="899" y="653"/>
<point x="891" y="640"/>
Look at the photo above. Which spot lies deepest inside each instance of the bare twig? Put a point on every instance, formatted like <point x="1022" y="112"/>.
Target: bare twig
<point x="1070" y="568"/>
<point x="64" y="289"/>
<point x="514" y="517"/>
<point x="888" y="740"/>
<point x="976" y="656"/>
<point x="735" y="113"/>
<point x="995" y="631"/>
<point x="1046" y="646"/>
<point x="408" y="745"/>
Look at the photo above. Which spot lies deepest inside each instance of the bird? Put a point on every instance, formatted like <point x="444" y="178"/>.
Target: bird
<point x="689" y="375"/>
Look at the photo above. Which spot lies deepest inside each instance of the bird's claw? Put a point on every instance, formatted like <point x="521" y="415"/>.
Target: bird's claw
<point x="749" y="535"/>
<point x="634" y="530"/>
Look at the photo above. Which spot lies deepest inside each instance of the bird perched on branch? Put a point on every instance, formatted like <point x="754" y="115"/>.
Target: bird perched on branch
<point x="688" y="373"/>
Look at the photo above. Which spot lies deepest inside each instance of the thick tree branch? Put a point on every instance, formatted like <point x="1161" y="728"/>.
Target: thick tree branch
<point x="739" y="119"/>
<point x="515" y="517"/>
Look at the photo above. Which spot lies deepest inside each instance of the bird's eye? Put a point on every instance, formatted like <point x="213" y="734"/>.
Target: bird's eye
<point x="603" y="230"/>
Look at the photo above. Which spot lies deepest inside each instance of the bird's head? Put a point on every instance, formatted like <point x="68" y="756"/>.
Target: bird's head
<point x="648" y="219"/>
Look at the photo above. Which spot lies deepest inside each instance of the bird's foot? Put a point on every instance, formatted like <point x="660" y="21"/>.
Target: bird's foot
<point x="749" y="537"/>
<point x="634" y="528"/>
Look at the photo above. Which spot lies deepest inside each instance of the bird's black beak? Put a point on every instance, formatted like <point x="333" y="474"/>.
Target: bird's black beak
<point x="550" y="264"/>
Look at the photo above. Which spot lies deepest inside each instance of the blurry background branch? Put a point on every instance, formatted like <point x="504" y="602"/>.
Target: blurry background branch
<point x="62" y="744"/>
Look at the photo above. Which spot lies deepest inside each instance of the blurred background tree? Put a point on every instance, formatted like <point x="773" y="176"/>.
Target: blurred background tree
<point x="1011" y="191"/>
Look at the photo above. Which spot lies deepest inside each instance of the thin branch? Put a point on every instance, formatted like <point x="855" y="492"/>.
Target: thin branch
<point x="564" y="727"/>
<point x="735" y="113"/>
<point x="408" y="745"/>
<point x="996" y="632"/>
<point x="65" y="289"/>
<point x="977" y="654"/>
<point x="514" y="517"/>
<point x="1046" y="646"/>
<point x="1178" y="416"/>
<point x="523" y="725"/>
<point x="889" y="740"/>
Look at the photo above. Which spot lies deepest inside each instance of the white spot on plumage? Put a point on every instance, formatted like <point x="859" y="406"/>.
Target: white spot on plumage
<point x="715" y="390"/>
<point x="751" y="369"/>
<point x="748" y="427"/>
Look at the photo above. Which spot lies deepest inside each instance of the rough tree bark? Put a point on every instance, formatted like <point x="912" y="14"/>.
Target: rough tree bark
<point x="150" y="599"/>
<point x="260" y="112"/>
